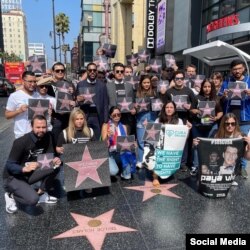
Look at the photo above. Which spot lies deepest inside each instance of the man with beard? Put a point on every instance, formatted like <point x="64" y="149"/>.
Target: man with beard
<point x="240" y="107"/>
<point x="22" y="168"/>
<point x="17" y="104"/>
<point x="94" y="103"/>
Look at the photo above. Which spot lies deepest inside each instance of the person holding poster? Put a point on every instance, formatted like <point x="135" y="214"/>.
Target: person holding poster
<point x="110" y="131"/>
<point x="143" y="116"/>
<point x="168" y="115"/>
<point x="205" y="118"/>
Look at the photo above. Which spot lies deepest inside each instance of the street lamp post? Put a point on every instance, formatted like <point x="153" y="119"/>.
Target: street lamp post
<point x="54" y="30"/>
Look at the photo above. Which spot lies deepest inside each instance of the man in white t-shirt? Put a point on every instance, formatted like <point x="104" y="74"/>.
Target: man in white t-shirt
<point x="17" y="104"/>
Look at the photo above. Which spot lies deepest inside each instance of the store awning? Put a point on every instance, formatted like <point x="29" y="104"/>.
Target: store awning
<point x="217" y="53"/>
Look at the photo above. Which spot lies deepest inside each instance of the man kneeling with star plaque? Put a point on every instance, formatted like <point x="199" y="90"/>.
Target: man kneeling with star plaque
<point x="31" y="160"/>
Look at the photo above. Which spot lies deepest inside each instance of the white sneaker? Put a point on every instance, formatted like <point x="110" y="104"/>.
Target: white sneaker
<point x="10" y="203"/>
<point x="46" y="198"/>
<point x="234" y="183"/>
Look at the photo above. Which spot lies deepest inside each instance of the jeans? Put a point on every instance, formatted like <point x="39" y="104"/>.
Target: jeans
<point x="114" y="161"/>
<point x="140" y="132"/>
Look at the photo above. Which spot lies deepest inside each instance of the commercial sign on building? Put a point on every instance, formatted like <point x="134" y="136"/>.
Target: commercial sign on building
<point x="151" y="19"/>
<point x="223" y="22"/>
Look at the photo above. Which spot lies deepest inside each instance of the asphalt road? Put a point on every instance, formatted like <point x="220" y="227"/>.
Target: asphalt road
<point x="4" y="123"/>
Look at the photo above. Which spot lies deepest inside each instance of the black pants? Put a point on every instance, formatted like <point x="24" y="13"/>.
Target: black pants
<point x="21" y="186"/>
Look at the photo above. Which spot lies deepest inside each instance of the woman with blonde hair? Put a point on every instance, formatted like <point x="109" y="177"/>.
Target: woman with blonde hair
<point x="76" y="132"/>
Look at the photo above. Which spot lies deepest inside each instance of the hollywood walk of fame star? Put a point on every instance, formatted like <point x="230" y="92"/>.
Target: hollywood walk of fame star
<point x="88" y="97"/>
<point x="131" y="80"/>
<point x="206" y="110"/>
<point x="65" y="102"/>
<point x="155" y="67"/>
<point x="126" y="145"/>
<point x="46" y="161"/>
<point x="63" y="88"/>
<point x="124" y="105"/>
<point x="87" y="168"/>
<point x="150" y="190"/>
<point x="102" y="65"/>
<point x="236" y="92"/>
<point x="151" y="133"/>
<point x="39" y="109"/>
<point x="157" y="105"/>
<point x="95" y="229"/>
<point x="133" y="59"/>
<point x="36" y="65"/>
<point x="143" y="105"/>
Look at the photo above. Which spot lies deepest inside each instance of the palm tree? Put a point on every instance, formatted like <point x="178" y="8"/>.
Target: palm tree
<point x="62" y="27"/>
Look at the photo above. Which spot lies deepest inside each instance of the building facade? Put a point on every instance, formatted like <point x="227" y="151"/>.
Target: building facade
<point x="8" y="5"/>
<point x="15" y="33"/>
<point x="92" y="29"/>
<point x="36" y="49"/>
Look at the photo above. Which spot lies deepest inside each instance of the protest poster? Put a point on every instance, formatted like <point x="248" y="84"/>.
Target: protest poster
<point x="156" y="65"/>
<point x="37" y="64"/>
<point x="88" y="93"/>
<point x="236" y="92"/>
<point x="101" y="63"/>
<point x="156" y="104"/>
<point x="143" y="56"/>
<point x="125" y="104"/>
<point x="207" y="109"/>
<point x="132" y="59"/>
<point x="133" y="80"/>
<point x="168" y="155"/>
<point x="162" y="86"/>
<point x="125" y="143"/>
<point x="219" y="161"/>
<point x="63" y="86"/>
<point x="142" y="104"/>
<point x="86" y="166"/>
<point x="110" y="50"/>
<point x="180" y="101"/>
<point x="64" y="102"/>
<point x="169" y="61"/>
<point x="37" y="107"/>
<point x="152" y="132"/>
<point x="45" y="161"/>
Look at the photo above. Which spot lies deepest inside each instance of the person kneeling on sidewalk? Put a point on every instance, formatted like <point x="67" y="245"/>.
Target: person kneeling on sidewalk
<point x="22" y="169"/>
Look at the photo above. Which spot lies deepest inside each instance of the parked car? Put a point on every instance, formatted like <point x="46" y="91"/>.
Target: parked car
<point x="6" y="87"/>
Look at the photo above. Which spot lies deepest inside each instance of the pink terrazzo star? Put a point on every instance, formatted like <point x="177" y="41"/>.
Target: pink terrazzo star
<point x="46" y="161"/>
<point x="151" y="133"/>
<point x="150" y="190"/>
<point x="124" y="105"/>
<point x="126" y="145"/>
<point x="206" y="110"/>
<point x="95" y="229"/>
<point x="236" y="91"/>
<point x="88" y="97"/>
<point x="157" y="105"/>
<point x="65" y="102"/>
<point x="38" y="109"/>
<point x="87" y="168"/>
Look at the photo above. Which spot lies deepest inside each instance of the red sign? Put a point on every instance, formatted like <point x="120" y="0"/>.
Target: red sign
<point x="14" y="71"/>
<point x="223" y="22"/>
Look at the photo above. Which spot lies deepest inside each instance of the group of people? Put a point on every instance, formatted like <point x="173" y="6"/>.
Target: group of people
<point x="98" y="115"/>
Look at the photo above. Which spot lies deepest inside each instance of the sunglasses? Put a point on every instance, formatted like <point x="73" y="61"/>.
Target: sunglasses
<point x="116" y="115"/>
<point x="119" y="71"/>
<point x="92" y="70"/>
<point x="43" y="86"/>
<point x="60" y="70"/>
<point x="230" y="124"/>
<point x="179" y="78"/>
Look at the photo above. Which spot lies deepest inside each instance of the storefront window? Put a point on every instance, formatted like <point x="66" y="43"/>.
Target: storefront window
<point x="207" y="3"/>
<point x="227" y="7"/>
<point x="242" y="4"/>
<point x="213" y="13"/>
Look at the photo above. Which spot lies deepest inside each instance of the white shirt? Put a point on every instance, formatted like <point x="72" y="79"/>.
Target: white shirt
<point x="21" y="122"/>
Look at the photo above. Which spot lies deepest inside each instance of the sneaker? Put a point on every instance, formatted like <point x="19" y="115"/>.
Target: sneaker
<point x="139" y="165"/>
<point x="10" y="203"/>
<point x="46" y="198"/>
<point x="194" y="171"/>
<point x="234" y="183"/>
<point x="126" y="177"/>
<point x="244" y="173"/>
<point x="184" y="168"/>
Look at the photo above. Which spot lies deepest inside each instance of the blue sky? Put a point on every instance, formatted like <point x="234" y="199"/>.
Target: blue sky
<point x="39" y="21"/>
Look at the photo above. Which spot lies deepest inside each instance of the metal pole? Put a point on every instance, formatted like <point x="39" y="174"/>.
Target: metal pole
<point x="54" y="30"/>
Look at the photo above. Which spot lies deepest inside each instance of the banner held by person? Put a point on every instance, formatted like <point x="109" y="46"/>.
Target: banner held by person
<point x="219" y="160"/>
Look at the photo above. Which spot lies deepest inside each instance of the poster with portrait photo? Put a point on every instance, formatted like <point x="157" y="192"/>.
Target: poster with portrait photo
<point x="219" y="161"/>
<point x="236" y="90"/>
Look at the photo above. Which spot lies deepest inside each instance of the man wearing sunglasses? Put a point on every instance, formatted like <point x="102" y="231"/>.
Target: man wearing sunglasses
<point x="59" y="120"/>
<point x="17" y="104"/>
<point x="96" y="108"/>
<point x="118" y="88"/>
